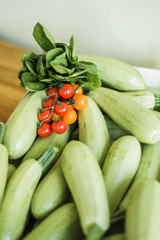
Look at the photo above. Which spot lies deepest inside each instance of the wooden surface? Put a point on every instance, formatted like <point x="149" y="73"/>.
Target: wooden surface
<point x="10" y="90"/>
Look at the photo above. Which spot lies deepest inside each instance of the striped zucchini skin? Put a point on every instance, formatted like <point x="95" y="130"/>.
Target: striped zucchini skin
<point x="143" y="97"/>
<point x="21" y="127"/>
<point x="128" y="114"/>
<point x="3" y="169"/>
<point x="93" y="130"/>
<point x="42" y="144"/>
<point x="119" y="168"/>
<point x="85" y="180"/>
<point x="51" y="192"/>
<point x="143" y="212"/>
<point x="116" y="74"/>
<point x="63" y="223"/>
<point x="149" y="167"/>
<point x="17" y="198"/>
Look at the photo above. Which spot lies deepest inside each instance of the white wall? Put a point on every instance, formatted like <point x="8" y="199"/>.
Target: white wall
<point x="125" y="29"/>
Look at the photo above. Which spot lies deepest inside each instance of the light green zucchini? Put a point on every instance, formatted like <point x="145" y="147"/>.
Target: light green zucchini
<point x="116" y="74"/>
<point x="18" y="195"/>
<point x="118" y="236"/>
<point x="3" y="162"/>
<point x="21" y="127"/>
<point x="128" y="114"/>
<point x="119" y="168"/>
<point x="143" y="212"/>
<point x="143" y="97"/>
<point x="61" y="224"/>
<point x="51" y="192"/>
<point x="3" y="169"/>
<point x="42" y="144"/>
<point x="156" y="93"/>
<point x="85" y="180"/>
<point x="11" y="170"/>
<point x="114" y="130"/>
<point x="93" y="130"/>
<point x="149" y="166"/>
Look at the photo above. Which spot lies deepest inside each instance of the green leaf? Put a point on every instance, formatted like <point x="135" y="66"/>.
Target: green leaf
<point x="73" y="48"/>
<point x="60" y="60"/>
<point x="30" y="64"/>
<point x="22" y="70"/>
<point x="27" y="77"/>
<point x="92" y="82"/>
<point x="35" y="86"/>
<point x="29" y="56"/>
<point x="89" y="66"/>
<point x="61" y="70"/>
<point x="40" y="67"/>
<point x="43" y="37"/>
<point x="68" y="52"/>
<point x="52" y="54"/>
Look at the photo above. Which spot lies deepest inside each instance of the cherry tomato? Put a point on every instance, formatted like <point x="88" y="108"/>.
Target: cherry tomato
<point x="45" y="130"/>
<point x="52" y="91"/>
<point x="44" y="115"/>
<point x="61" y="110"/>
<point x="48" y="103"/>
<point x="71" y="116"/>
<point x="80" y="101"/>
<point x="59" y="127"/>
<point x="67" y="91"/>
<point x="79" y="91"/>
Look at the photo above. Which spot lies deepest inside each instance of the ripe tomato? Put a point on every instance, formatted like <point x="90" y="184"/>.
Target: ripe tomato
<point x="79" y="91"/>
<point x="61" y="110"/>
<point x="45" y="130"/>
<point x="67" y="91"/>
<point x="71" y="116"/>
<point x="48" y="103"/>
<point x="52" y="91"/>
<point x="44" y="115"/>
<point x="59" y="127"/>
<point x="80" y="101"/>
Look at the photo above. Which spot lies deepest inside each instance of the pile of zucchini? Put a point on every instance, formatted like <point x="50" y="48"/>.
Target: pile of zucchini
<point x="98" y="180"/>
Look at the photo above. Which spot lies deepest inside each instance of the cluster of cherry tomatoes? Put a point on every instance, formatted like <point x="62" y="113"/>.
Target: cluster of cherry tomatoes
<point x="59" y="108"/>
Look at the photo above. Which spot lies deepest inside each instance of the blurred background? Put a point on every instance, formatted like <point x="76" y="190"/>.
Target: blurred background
<point x="123" y="29"/>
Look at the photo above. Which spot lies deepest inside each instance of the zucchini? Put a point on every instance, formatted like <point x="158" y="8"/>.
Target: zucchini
<point x="21" y="127"/>
<point x="18" y="195"/>
<point x="143" y="212"/>
<point x="118" y="236"/>
<point x="128" y="114"/>
<point x="3" y="162"/>
<point x="63" y="223"/>
<point x="85" y="180"/>
<point x="149" y="166"/>
<point x="120" y="167"/>
<point x="11" y="170"/>
<point x="93" y="130"/>
<point x="3" y="170"/>
<point x="143" y="97"/>
<point x="51" y="192"/>
<point x="114" y="130"/>
<point x="156" y="93"/>
<point x="116" y="74"/>
<point x="42" y="144"/>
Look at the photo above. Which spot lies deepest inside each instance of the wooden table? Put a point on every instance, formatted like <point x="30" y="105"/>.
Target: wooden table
<point x="10" y="90"/>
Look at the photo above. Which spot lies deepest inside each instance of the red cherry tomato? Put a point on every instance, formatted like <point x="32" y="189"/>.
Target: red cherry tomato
<point x="44" y="115"/>
<point x="48" y="103"/>
<point x="80" y="101"/>
<point x="79" y="91"/>
<point x="52" y="91"/>
<point x="61" y="110"/>
<point x="45" y="130"/>
<point x="59" y="127"/>
<point x="71" y="116"/>
<point x="67" y="91"/>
